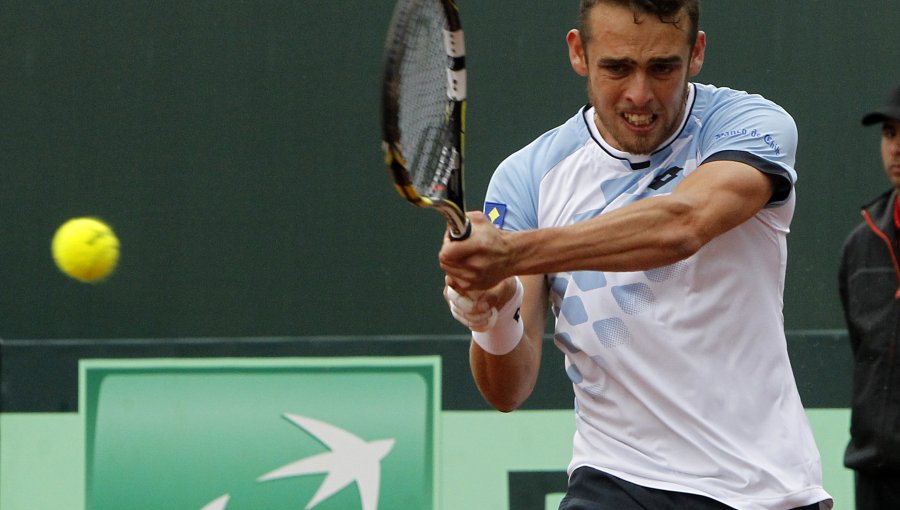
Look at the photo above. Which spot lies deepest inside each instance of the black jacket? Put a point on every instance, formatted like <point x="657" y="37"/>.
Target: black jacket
<point x="869" y="282"/>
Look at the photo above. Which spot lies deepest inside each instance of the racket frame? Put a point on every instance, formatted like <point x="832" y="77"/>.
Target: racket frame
<point x="446" y="195"/>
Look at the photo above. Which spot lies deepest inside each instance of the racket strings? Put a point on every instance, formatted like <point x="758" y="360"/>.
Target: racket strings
<point x="423" y="101"/>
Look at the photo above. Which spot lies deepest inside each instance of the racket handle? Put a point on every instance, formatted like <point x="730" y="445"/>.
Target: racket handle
<point x="457" y="235"/>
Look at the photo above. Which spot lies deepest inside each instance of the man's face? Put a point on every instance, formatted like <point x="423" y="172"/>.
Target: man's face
<point x="890" y="150"/>
<point x="637" y="75"/>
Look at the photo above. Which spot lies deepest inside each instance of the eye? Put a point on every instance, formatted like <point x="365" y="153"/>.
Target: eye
<point x="616" y="68"/>
<point x="663" y="69"/>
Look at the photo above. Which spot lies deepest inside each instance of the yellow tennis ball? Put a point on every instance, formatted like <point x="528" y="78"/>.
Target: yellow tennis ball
<point x="85" y="249"/>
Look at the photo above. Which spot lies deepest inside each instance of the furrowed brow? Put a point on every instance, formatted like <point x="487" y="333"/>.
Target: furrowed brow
<point x="610" y="61"/>
<point x="673" y="60"/>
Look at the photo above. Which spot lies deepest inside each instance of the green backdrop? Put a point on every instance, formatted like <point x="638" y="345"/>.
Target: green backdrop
<point x="235" y="147"/>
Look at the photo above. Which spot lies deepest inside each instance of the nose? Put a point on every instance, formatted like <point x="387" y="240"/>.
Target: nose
<point x="894" y="146"/>
<point x="638" y="91"/>
<point x="890" y="148"/>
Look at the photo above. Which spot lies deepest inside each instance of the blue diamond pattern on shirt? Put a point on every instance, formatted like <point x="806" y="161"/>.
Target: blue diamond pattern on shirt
<point x="635" y="298"/>
<point x="573" y="310"/>
<point x="574" y="374"/>
<point x="559" y="285"/>
<point x="589" y="280"/>
<point x="612" y="332"/>
<point x="565" y="340"/>
<point x="664" y="273"/>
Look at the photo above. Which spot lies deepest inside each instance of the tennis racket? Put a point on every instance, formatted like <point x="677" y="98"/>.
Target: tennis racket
<point x="424" y="107"/>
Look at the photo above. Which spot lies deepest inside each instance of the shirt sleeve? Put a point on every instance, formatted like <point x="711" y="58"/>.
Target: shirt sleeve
<point x="512" y="200"/>
<point x="753" y="130"/>
<point x="509" y="202"/>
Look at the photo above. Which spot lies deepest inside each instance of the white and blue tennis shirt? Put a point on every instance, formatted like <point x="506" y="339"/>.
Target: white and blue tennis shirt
<point x="681" y="374"/>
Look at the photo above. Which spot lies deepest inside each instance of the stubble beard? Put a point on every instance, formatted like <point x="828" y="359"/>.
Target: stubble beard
<point x="638" y="144"/>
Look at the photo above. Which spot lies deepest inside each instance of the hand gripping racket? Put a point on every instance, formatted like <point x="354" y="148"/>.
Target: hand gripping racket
<point x="424" y="106"/>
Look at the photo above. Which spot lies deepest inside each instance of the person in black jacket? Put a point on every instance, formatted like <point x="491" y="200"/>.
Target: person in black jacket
<point x="869" y="283"/>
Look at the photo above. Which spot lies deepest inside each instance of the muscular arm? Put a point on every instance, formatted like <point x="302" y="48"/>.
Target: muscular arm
<point x="652" y="232"/>
<point x="506" y="381"/>
<point x="649" y="233"/>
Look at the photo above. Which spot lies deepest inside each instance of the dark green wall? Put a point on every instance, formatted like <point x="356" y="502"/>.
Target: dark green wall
<point x="235" y="148"/>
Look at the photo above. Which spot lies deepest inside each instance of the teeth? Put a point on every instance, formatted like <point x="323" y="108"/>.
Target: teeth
<point x="639" y="119"/>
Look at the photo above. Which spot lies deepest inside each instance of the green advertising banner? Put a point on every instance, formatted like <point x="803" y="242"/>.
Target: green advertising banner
<point x="323" y="434"/>
<point x="318" y="433"/>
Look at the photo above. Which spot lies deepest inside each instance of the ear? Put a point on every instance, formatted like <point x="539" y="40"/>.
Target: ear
<point x="576" y="53"/>
<point x="698" y="53"/>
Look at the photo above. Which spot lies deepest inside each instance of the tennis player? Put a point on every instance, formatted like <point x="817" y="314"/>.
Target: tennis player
<point x="653" y="225"/>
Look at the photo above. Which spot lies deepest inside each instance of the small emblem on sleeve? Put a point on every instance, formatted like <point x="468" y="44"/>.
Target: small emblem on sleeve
<point x="495" y="212"/>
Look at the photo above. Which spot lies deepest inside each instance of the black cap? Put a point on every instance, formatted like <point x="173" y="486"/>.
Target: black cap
<point x="890" y="111"/>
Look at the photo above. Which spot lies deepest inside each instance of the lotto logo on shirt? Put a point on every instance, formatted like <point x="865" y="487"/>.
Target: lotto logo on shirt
<point x="319" y="434"/>
<point x="496" y="212"/>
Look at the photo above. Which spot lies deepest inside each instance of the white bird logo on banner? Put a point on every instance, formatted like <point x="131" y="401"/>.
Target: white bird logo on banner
<point x="350" y="459"/>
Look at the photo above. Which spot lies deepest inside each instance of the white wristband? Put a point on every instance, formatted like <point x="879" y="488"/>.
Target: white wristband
<point x="506" y="334"/>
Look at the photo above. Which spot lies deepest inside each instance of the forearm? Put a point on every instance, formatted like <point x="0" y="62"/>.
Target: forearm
<point x="507" y="380"/>
<point x="649" y="233"/>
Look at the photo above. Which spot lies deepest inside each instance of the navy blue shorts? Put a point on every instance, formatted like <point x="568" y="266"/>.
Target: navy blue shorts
<point x="590" y="489"/>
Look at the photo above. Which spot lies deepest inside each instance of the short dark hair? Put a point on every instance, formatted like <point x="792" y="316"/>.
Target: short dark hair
<point x="666" y="10"/>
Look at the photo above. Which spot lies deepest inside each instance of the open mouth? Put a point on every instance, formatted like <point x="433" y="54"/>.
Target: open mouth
<point x="639" y="120"/>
